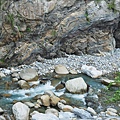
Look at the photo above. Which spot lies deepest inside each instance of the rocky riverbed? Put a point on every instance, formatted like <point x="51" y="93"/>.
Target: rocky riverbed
<point x="30" y="79"/>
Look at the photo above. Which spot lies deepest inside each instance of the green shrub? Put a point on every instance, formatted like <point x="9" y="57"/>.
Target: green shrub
<point x="116" y="95"/>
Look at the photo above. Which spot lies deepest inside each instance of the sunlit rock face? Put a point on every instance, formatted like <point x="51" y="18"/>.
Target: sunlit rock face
<point x="52" y="28"/>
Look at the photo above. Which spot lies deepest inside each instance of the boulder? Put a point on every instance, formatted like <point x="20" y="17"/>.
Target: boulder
<point x="1" y="111"/>
<point x="21" y="111"/>
<point x="45" y="100"/>
<point x="53" y="111"/>
<point x="106" y="81"/>
<point x="91" y="71"/>
<point x="23" y="84"/>
<point x="41" y="116"/>
<point x="29" y="104"/>
<point x="29" y="74"/>
<point x="60" y="69"/>
<point x="76" y="85"/>
<point x="54" y="100"/>
<point x="67" y="116"/>
<point x="2" y="74"/>
<point x="67" y="108"/>
<point x="82" y="113"/>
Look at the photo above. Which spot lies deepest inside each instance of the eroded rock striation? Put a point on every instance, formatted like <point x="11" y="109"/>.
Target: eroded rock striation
<point x="53" y="28"/>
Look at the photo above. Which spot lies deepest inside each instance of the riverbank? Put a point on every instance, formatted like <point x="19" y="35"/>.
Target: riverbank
<point x="107" y="62"/>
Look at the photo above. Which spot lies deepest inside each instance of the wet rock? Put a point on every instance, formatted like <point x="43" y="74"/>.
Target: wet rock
<point x="2" y="74"/>
<point x="21" y="111"/>
<point x="29" y="74"/>
<point x="76" y="85"/>
<point x="112" y="110"/>
<point x="73" y="71"/>
<point x="15" y="75"/>
<point x="29" y="104"/>
<point x="82" y="113"/>
<point x="107" y="82"/>
<point x="91" y="71"/>
<point x="60" y="69"/>
<point x="6" y="95"/>
<point x="92" y="101"/>
<point x="54" y="100"/>
<point x="60" y="105"/>
<point x="1" y="111"/>
<point x="50" y="93"/>
<point x="67" y="116"/>
<point x="14" y="79"/>
<point x="2" y="118"/>
<point x="23" y="84"/>
<point x="45" y="100"/>
<point x="53" y="111"/>
<point x="67" y="108"/>
<point x="91" y="110"/>
<point x="41" y="116"/>
<point x="34" y="83"/>
<point x="59" y="86"/>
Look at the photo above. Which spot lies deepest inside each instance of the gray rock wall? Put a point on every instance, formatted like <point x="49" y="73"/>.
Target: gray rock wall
<point x="52" y="28"/>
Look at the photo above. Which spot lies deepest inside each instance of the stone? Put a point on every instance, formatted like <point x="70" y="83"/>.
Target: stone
<point x="15" y="75"/>
<point x="91" y="71"/>
<point x="91" y="110"/>
<point x="54" y="100"/>
<point x="34" y="83"/>
<point x="48" y="92"/>
<point x="106" y="81"/>
<point x="7" y="95"/>
<point x="60" y="86"/>
<point x="2" y="118"/>
<point x="1" y="111"/>
<point x="60" y="105"/>
<point x="112" y="110"/>
<point x="2" y="74"/>
<point x="73" y="71"/>
<point x="41" y="116"/>
<point x="14" y="79"/>
<point x="76" y="85"/>
<point x="67" y="116"/>
<point x="23" y="84"/>
<point x="20" y="111"/>
<point x="29" y="74"/>
<point x="53" y="111"/>
<point x="111" y="113"/>
<point x="38" y="8"/>
<point x="67" y="108"/>
<point x="29" y="104"/>
<point x="60" y="69"/>
<point x="45" y="100"/>
<point x="82" y="113"/>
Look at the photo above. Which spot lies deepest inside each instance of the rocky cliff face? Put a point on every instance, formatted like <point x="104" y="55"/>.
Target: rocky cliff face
<point x="52" y="28"/>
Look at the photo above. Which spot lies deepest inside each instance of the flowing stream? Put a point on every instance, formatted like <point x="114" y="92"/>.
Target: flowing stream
<point x="9" y="91"/>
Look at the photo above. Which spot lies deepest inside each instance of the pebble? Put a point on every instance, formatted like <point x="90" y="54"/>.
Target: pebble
<point x="104" y="63"/>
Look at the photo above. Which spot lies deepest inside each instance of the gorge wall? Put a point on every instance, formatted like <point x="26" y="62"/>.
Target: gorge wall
<point x="54" y="28"/>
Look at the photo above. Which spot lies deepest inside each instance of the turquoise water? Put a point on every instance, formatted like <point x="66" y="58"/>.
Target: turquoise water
<point x="12" y="88"/>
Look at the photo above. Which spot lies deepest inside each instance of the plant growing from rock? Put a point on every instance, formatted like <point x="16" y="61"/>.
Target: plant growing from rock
<point x="116" y="95"/>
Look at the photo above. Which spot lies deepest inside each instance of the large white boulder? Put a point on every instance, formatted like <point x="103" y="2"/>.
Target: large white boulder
<point x="21" y="111"/>
<point x="29" y="74"/>
<point x="91" y="71"/>
<point x="41" y="116"/>
<point x="76" y="85"/>
<point x="60" y="69"/>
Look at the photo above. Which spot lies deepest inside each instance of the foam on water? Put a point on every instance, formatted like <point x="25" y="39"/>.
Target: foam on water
<point x="80" y="97"/>
<point x="21" y="93"/>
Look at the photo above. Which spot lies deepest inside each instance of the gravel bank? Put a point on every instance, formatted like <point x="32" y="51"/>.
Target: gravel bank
<point x="107" y="63"/>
